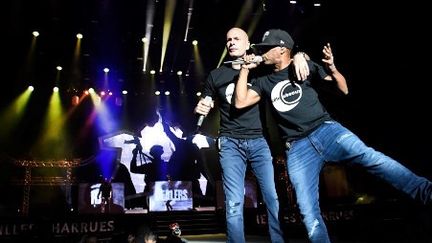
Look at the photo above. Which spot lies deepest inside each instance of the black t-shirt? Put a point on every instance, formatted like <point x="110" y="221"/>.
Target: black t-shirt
<point x="296" y="106"/>
<point x="236" y="123"/>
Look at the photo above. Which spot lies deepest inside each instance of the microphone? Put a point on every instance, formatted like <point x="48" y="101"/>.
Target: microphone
<point x="201" y="117"/>
<point x="257" y="59"/>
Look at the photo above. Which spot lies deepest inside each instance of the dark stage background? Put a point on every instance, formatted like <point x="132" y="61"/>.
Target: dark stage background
<point x="382" y="48"/>
<point x="377" y="47"/>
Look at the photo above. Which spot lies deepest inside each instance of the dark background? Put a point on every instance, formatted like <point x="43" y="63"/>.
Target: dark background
<point x="382" y="48"/>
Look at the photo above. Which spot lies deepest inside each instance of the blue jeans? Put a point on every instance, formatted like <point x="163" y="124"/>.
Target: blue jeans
<point x="234" y="154"/>
<point x="334" y="143"/>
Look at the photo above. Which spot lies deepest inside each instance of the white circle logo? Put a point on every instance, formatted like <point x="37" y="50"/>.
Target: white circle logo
<point x="286" y="95"/>
<point x="230" y="91"/>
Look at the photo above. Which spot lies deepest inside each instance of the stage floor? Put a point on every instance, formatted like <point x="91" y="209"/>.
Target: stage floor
<point x="392" y="222"/>
<point x="221" y="238"/>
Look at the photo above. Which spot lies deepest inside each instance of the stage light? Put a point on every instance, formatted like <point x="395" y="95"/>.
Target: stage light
<point x="102" y="93"/>
<point x="198" y="94"/>
<point x="194" y="42"/>
<point x="59" y="68"/>
<point x="35" y="33"/>
<point x="157" y="92"/>
<point x="75" y="100"/>
<point x="197" y="61"/>
<point x="189" y="17"/>
<point x="124" y="92"/>
<point x="91" y="90"/>
<point x="167" y="93"/>
<point x="148" y="31"/>
<point x="97" y="101"/>
<point x="55" y="89"/>
<point x="106" y="70"/>
<point x="79" y="36"/>
<point x="110" y="93"/>
<point x="30" y="88"/>
<point x="179" y="73"/>
<point x="152" y="71"/>
<point x="167" y="24"/>
<point x="86" y="92"/>
<point x="144" y="40"/>
<point x="119" y="101"/>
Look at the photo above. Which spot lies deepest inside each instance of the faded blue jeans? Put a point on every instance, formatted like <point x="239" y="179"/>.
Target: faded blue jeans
<point x="234" y="155"/>
<point x="331" y="142"/>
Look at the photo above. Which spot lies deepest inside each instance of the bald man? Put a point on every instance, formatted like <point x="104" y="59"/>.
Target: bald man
<point x="240" y="141"/>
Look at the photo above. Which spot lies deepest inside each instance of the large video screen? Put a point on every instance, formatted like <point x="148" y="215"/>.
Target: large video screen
<point x="160" y="148"/>
<point x="171" y="196"/>
<point x="90" y="198"/>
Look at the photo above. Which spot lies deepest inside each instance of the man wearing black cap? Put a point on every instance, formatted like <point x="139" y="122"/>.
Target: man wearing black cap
<point x="241" y="141"/>
<point x="312" y="137"/>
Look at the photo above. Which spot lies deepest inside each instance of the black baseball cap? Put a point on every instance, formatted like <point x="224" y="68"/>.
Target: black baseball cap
<point x="275" y="37"/>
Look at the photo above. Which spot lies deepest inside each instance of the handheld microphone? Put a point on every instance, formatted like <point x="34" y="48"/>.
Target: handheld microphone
<point x="257" y="59"/>
<point x="201" y="117"/>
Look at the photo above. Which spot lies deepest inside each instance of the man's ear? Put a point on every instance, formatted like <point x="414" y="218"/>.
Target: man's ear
<point x="248" y="46"/>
